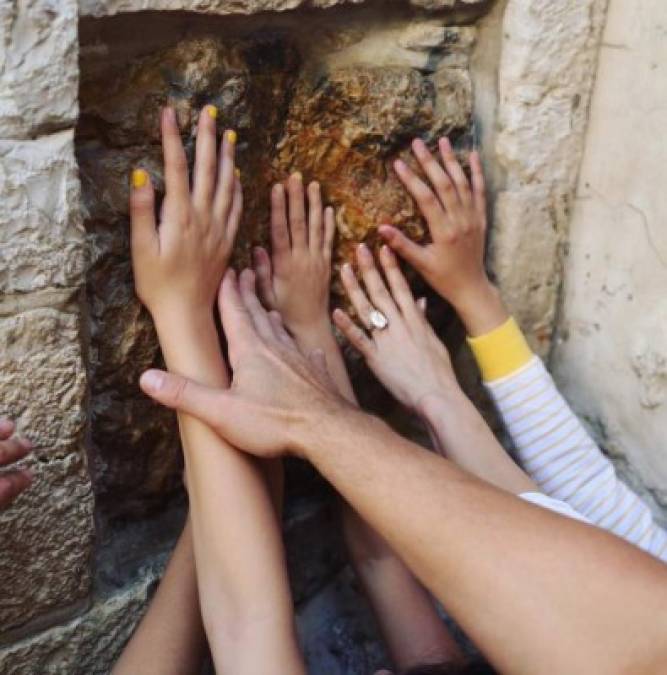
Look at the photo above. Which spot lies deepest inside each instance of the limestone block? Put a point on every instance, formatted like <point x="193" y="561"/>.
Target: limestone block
<point x="47" y="541"/>
<point x="38" y="66"/>
<point x="611" y="359"/>
<point x="41" y="235"/>
<point x="47" y="534"/>
<point x="98" y="8"/>
<point x="87" y="645"/>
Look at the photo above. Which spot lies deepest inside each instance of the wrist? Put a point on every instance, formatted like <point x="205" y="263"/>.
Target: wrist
<point x="481" y="308"/>
<point x="313" y="335"/>
<point x="431" y="405"/>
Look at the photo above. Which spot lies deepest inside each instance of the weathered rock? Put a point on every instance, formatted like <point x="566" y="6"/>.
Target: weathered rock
<point x="38" y="66"/>
<point x="87" y="645"/>
<point x="47" y="534"/>
<point x="41" y="239"/>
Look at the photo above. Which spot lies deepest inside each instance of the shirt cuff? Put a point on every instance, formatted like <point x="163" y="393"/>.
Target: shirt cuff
<point x="501" y="352"/>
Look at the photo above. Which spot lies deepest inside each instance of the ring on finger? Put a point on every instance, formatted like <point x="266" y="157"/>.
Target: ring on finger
<point x="377" y="320"/>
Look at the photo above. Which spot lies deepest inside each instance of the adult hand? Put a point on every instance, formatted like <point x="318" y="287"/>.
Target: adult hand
<point x="12" y="483"/>
<point x="406" y="356"/>
<point x="178" y="266"/>
<point x="276" y="394"/>
<point x="296" y="280"/>
<point x="455" y="211"/>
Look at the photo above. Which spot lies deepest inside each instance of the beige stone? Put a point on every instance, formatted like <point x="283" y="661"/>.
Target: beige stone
<point x="612" y="360"/>
<point x="41" y="235"/>
<point x="38" y="66"/>
<point x="87" y="645"/>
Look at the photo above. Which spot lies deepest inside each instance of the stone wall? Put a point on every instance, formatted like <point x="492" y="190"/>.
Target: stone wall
<point x="349" y="84"/>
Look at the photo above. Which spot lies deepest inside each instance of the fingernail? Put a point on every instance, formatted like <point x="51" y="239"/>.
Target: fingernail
<point x="446" y="143"/>
<point x="231" y="137"/>
<point x="139" y="178"/>
<point x="297" y="175"/>
<point x="152" y="380"/>
<point x="237" y="172"/>
<point x="400" y="165"/>
<point x="27" y="445"/>
<point x="418" y="144"/>
<point x="212" y="111"/>
<point x="363" y="250"/>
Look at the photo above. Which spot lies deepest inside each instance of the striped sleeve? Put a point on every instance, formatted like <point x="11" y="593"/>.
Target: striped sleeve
<point x="560" y="456"/>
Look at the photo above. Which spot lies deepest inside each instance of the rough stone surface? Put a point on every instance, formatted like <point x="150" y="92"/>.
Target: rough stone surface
<point x="99" y="8"/>
<point x="41" y="239"/>
<point x="87" y="645"/>
<point x="612" y="356"/>
<point x="47" y="535"/>
<point x="547" y="67"/>
<point x="38" y="66"/>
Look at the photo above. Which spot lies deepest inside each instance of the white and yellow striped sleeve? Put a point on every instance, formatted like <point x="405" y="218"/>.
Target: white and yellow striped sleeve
<point x="552" y="444"/>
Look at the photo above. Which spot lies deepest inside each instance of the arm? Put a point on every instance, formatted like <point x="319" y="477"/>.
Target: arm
<point x="552" y="445"/>
<point x="295" y="281"/>
<point x="530" y="587"/>
<point x="243" y="589"/>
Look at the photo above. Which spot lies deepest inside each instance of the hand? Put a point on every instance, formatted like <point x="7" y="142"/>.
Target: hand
<point x="296" y="281"/>
<point x="12" y="483"/>
<point x="407" y="356"/>
<point x="275" y="393"/>
<point x="455" y="212"/>
<point x="178" y="266"/>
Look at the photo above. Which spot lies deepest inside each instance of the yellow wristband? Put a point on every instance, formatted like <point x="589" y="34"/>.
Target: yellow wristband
<point x="501" y="352"/>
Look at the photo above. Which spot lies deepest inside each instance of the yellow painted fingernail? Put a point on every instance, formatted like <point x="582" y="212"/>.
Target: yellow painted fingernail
<point x="212" y="111"/>
<point x="298" y="175"/>
<point x="139" y="178"/>
<point x="237" y="171"/>
<point x="231" y="137"/>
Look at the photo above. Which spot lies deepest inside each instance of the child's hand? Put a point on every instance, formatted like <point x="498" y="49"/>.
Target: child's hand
<point x="296" y="280"/>
<point x="406" y="356"/>
<point x="455" y="211"/>
<point x="179" y="265"/>
<point x="12" y="483"/>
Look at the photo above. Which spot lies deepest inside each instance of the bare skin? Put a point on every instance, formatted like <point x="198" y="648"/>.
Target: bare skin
<point x="530" y="587"/>
<point x="240" y="573"/>
<point x="295" y="282"/>
<point x="12" y="449"/>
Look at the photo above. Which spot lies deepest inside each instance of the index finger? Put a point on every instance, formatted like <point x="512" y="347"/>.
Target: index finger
<point x="236" y="321"/>
<point x="177" y="186"/>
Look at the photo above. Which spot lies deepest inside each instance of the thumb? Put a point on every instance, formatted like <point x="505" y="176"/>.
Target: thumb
<point x="399" y="243"/>
<point x="184" y="395"/>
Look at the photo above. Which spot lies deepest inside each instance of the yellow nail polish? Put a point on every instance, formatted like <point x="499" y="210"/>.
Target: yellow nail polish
<point x="298" y="175"/>
<point x="237" y="171"/>
<point x="231" y="137"/>
<point x="139" y="178"/>
<point x="212" y="111"/>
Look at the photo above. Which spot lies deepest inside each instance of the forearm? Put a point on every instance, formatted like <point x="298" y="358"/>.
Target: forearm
<point x="243" y="587"/>
<point x="170" y="638"/>
<point x="496" y="562"/>
<point x="466" y="439"/>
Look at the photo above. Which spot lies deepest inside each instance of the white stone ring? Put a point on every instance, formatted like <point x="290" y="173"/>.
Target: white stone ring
<point x="378" y="320"/>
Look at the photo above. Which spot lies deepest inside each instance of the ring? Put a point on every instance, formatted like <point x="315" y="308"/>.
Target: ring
<point x="378" y="320"/>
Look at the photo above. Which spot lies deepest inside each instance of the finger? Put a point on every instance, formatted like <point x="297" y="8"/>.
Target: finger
<point x="12" y="485"/>
<point x="224" y="191"/>
<point x="444" y="187"/>
<point x="400" y="290"/>
<point x="205" y="160"/>
<point x="180" y="393"/>
<point x="279" y="329"/>
<point x="478" y="186"/>
<point x="329" y="231"/>
<point x="236" y="321"/>
<point x="177" y="187"/>
<point x="280" y="241"/>
<point x="13" y="450"/>
<point x="315" y="219"/>
<point x="143" y="230"/>
<point x="297" y="211"/>
<point x="236" y="212"/>
<point x="262" y="263"/>
<point x="319" y="362"/>
<point x="357" y="297"/>
<point x="355" y="335"/>
<point x="455" y="172"/>
<point x="257" y="313"/>
<point x="428" y="203"/>
<point x="379" y="295"/>
<point x="408" y="250"/>
<point x="422" y="305"/>
<point x="6" y="429"/>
